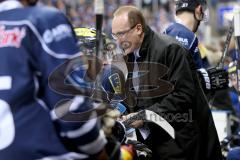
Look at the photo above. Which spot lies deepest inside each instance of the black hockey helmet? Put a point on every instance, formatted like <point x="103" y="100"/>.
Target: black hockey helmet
<point x="190" y="5"/>
<point x="30" y="2"/>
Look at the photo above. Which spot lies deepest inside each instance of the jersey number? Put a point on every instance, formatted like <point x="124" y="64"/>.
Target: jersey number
<point x="7" y="129"/>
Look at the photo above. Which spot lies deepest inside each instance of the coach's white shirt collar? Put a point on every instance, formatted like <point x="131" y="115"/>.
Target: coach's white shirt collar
<point x="136" y="53"/>
<point x="10" y="4"/>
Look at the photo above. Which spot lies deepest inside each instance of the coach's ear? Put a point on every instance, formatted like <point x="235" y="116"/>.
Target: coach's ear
<point x="139" y="29"/>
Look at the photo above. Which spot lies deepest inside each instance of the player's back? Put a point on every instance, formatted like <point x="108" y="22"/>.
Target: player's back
<point x="182" y="34"/>
<point x="26" y="128"/>
<point x="187" y="38"/>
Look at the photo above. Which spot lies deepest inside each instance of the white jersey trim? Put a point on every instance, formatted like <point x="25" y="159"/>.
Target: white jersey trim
<point x="95" y="146"/>
<point x="193" y="41"/>
<point x="5" y="82"/>
<point x="87" y="127"/>
<point x="67" y="156"/>
<point x="10" y="4"/>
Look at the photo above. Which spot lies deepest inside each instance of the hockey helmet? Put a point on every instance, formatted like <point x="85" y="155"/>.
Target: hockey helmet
<point x="190" y="5"/>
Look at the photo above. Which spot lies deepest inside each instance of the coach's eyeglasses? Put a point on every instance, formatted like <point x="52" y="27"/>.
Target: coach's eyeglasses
<point x="122" y="33"/>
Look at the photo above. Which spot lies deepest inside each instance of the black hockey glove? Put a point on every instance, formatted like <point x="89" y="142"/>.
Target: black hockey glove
<point x="213" y="79"/>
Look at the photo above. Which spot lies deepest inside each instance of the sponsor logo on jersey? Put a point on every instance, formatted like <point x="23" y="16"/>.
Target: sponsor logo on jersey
<point x="182" y="40"/>
<point x="11" y="37"/>
<point x="58" y="33"/>
<point x="196" y="50"/>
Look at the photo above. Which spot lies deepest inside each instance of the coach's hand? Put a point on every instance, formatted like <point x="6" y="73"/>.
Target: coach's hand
<point x="134" y="124"/>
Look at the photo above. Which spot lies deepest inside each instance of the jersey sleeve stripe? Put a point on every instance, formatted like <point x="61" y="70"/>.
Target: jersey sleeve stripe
<point x="86" y="128"/>
<point x="67" y="156"/>
<point x="193" y="42"/>
<point x="91" y="148"/>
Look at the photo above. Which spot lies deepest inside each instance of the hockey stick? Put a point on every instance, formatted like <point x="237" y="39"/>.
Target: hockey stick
<point x="147" y="115"/>
<point x="237" y="38"/>
<point x="99" y="10"/>
<point x="226" y="45"/>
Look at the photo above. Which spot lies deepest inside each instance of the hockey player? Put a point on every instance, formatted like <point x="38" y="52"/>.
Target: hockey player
<point x="34" y="40"/>
<point x="189" y="14"/>
<point x="184" y="28"/>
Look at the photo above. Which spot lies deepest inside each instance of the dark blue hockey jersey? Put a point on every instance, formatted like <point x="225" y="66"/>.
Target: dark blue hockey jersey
<point x="33" y="42"/>
<point x="187" y="38"/>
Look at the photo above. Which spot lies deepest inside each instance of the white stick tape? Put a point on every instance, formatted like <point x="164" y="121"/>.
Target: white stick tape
<point x="237" y="22"/>
<point x="99" y="6"/>
<point x="160" y="121"/>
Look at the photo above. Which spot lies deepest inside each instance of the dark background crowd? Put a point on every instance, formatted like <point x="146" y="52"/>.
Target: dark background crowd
<point x="159" y="14"/>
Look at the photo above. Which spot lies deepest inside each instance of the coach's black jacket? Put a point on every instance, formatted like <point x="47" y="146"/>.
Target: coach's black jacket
<point x="179" y="99"/>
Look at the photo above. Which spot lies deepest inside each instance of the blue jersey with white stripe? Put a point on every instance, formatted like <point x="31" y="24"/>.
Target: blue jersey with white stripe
<point x="33" y="42"/>
<point x="187" y="38"/>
